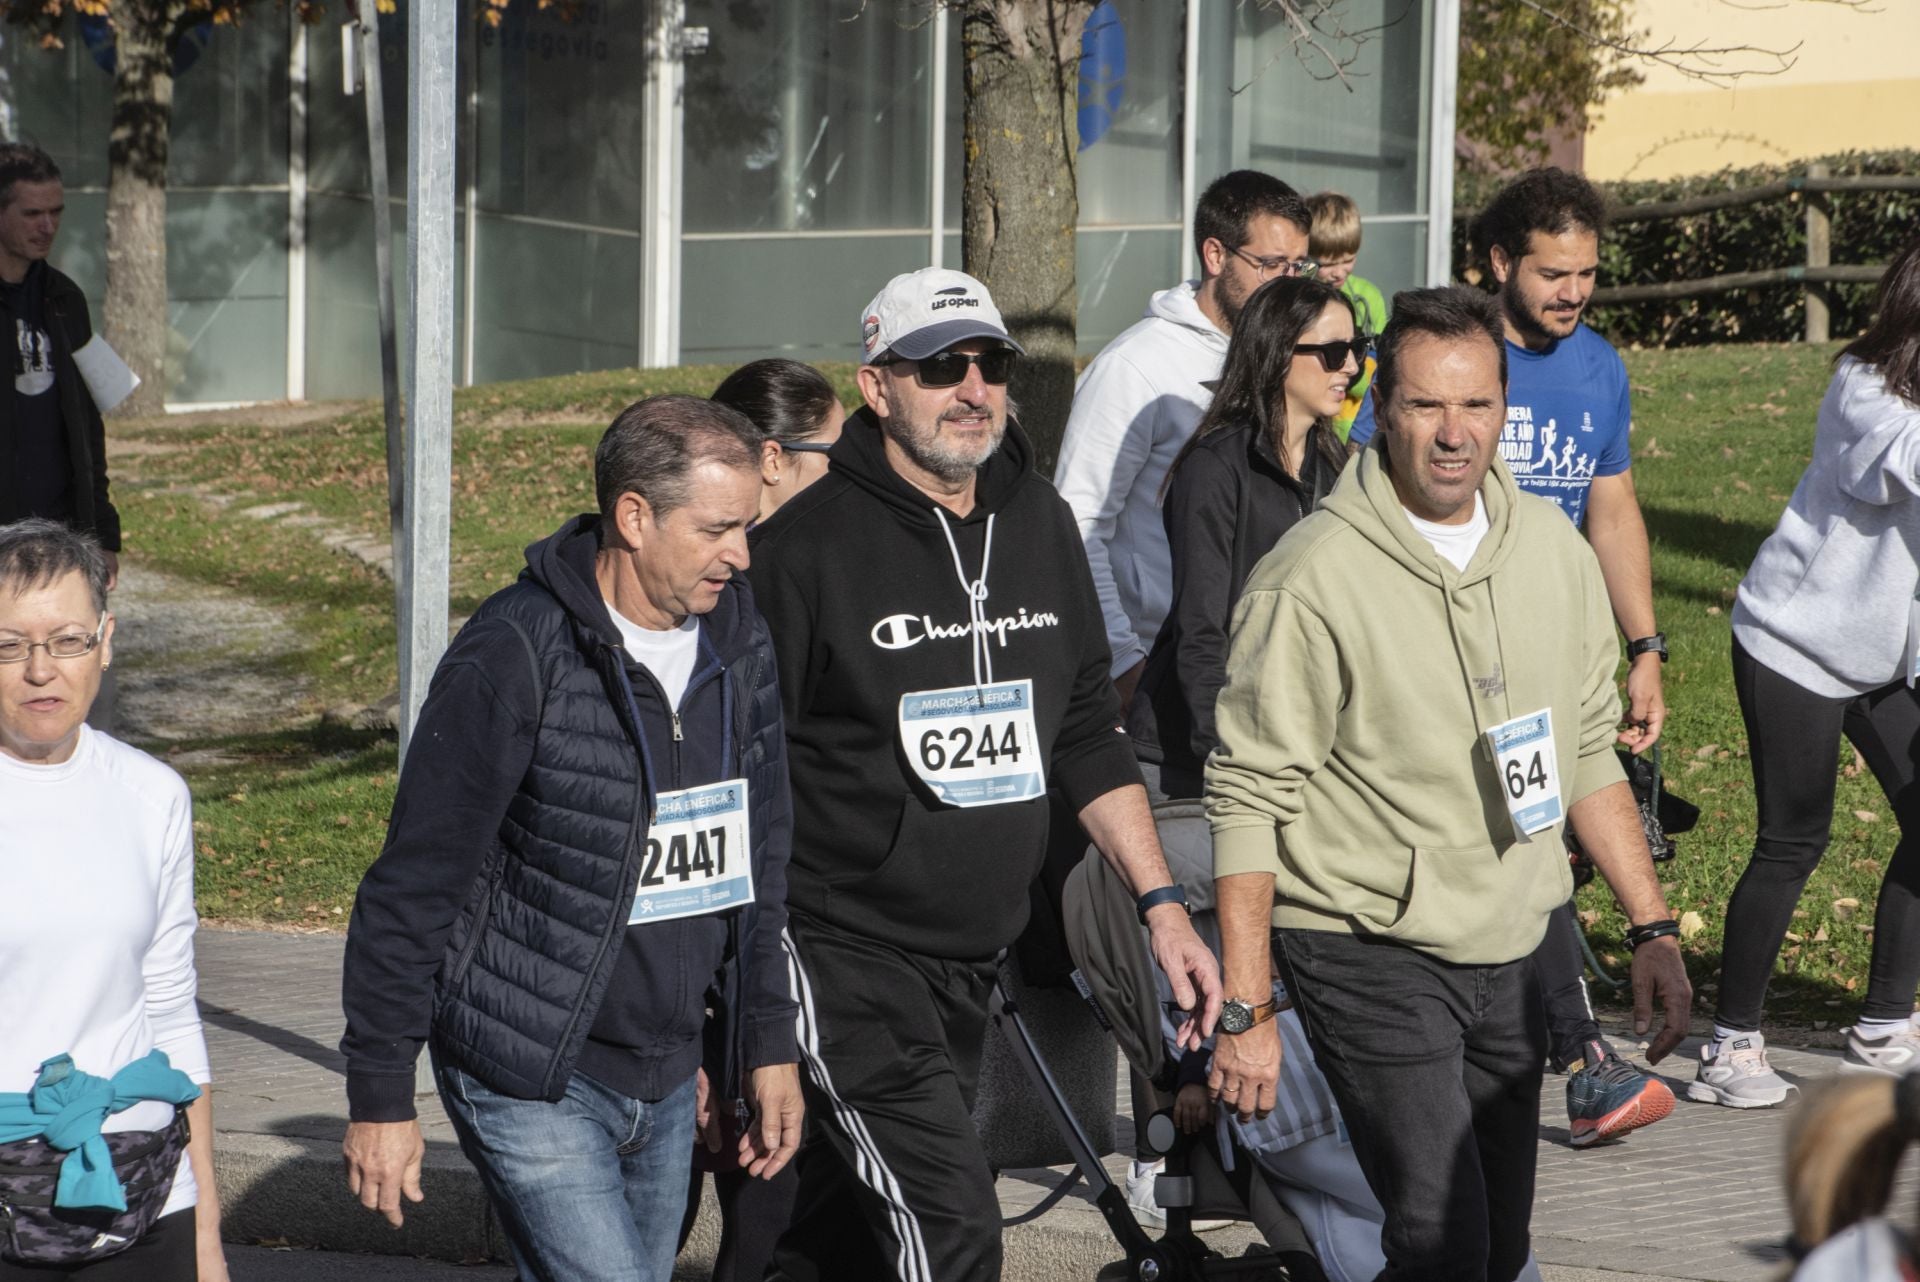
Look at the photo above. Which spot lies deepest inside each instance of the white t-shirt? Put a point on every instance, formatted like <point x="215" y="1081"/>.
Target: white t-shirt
<point x="669" y="655"/>
<point x="1455" y="543"/>
<point x="96" y="930"/>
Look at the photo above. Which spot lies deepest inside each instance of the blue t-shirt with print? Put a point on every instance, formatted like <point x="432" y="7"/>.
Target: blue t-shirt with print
<point x="1567" y="419"/>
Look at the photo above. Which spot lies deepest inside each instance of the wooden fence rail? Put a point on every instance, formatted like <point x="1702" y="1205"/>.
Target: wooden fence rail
<point x="1818" y="272"/>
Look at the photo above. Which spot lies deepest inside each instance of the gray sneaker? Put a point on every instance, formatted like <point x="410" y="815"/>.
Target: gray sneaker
<point x="1895" y="1054"/>
<point x="1739" y="1076"/>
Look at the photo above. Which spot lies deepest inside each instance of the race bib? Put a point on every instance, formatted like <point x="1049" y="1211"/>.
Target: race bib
<point x="974" y="745"/>
<point x="1529" y="771"/>
<point x="697" y="858"/>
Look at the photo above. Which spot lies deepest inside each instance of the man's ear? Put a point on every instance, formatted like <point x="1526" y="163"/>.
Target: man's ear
<point x="1213" y="257"/>
<point x="873" y="389"/>
<point x="1502" y="264"/>
<point x="632" y="519"/>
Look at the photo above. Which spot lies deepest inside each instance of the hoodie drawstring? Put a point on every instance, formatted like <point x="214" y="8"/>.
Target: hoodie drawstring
<point x="976" y="591"/>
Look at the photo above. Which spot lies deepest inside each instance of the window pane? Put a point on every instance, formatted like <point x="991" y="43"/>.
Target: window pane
<point x="1266" y="106"/>
<point x="1130" y="109"/>
<point x="743" y="299"/>
<point x="799" y="119"/>
<point x="1118" y="272"/>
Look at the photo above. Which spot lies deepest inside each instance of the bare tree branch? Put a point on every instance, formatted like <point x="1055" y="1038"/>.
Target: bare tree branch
<point x="1318" y="32"/>
<point x="1697" y="61"/>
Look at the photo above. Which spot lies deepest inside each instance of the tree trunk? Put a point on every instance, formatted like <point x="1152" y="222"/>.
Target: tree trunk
<point x="1021" y="200"/>
<point x="135" y="319"/>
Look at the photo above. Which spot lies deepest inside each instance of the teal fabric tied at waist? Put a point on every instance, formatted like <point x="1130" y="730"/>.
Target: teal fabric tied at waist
<point x="66" y="1107"/>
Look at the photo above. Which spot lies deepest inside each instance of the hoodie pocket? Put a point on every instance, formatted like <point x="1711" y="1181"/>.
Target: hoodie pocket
<point x="1468" y="903"/>
<point x="950" y="869"/>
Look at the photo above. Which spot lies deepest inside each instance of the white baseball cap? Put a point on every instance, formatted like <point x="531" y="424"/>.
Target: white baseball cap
<point x="920" y="313"/>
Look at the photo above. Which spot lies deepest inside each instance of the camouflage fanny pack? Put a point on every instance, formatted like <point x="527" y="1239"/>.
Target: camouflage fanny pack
<point x="35" y="1231"/>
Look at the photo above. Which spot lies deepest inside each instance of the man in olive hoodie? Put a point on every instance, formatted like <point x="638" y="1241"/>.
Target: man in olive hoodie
<point x="1420" y="696"/>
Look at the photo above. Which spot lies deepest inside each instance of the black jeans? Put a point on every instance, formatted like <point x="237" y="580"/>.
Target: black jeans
<point x="1436" y="1069"/>
<point x="1793" y="738"/>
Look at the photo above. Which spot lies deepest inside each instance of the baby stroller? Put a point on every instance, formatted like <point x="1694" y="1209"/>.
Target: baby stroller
<point x="1117" y="976"/>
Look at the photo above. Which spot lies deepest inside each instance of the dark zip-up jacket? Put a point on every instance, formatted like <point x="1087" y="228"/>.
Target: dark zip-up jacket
<point x="857" y="581"/>
<point x="495" y="920"/>
<point x="70" y="328"/>
<point x="1228" y="502"/>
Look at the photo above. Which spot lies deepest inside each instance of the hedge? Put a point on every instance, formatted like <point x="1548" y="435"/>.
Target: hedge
<point x="1868" y="227"/>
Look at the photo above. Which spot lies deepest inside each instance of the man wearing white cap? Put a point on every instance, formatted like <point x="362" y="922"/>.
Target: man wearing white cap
<point x="942" y="662"/>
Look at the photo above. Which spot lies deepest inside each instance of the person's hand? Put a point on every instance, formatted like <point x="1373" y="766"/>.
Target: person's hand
<point x="706" y="1117"/>
<point x="113" y="569"/>
<point x="1127" y="684"/>
<point x="1246" y="1070"/>
<point x="1646" y="704"/>
<point x="1192" y="1112"/>
<point x="1660" y="972"/>
<point x="778" y="1111"/>
<point x="1191" y="969"/>
<point x="383" y="1164"/>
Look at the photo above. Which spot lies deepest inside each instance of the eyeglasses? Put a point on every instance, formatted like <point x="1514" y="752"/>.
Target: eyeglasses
<point x="949" y="369"/>
<point x="1278" y="265"/>
<point x="1333" y="356"/>
<point x="68" y="645"/>
<point x="806" y="447"/>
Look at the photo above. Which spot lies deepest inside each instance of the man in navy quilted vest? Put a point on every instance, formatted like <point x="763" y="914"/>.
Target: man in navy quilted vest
<point x="582" y="893"/>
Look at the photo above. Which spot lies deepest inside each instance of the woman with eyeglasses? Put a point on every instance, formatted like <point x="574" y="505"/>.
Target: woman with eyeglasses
<point x="1262" y="457"/>
<point x="106" y="1124"/>
<point x="797" y="409"/>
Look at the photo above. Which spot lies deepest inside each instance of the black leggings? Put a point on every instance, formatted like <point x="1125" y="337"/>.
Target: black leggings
<point x="1793" y="737"/>
<point x="1561" y="972"/>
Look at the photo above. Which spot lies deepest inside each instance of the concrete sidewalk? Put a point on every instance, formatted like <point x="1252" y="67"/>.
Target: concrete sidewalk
<point x="1696" y="1197"/>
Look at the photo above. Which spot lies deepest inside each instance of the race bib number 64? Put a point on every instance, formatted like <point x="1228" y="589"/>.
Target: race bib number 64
<point x="1529" y="771"/>
<point x="974" y="745"/>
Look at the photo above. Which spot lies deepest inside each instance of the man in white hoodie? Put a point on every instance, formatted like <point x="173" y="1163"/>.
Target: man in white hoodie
<point x="1141" y="398"/>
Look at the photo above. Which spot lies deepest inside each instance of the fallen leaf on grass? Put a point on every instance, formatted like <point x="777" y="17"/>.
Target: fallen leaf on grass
<point x="1706" y="750"/>
<point x="1844" y="909"/>
<point x="1691" y="925"/>
<point x="1820" y="935"/>
<point x="1866" y="816"/>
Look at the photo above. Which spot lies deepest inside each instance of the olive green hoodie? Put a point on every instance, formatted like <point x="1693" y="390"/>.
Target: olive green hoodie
<point x="1364" y="673"/>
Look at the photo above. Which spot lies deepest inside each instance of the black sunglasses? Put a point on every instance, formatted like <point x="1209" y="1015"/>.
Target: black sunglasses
<point x="806" y="447"/>
<point x="1333" y="356"/>
<point x="949" y="369"/>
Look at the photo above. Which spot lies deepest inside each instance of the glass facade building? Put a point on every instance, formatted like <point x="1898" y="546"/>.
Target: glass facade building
<point x="738" y="186"/>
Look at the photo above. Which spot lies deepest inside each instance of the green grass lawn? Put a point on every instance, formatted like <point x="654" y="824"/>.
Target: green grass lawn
<point x="1721" y="436"/>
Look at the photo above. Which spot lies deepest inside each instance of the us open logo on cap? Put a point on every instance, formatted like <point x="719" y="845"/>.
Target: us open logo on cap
<point x="955" y="297"/>
<point x="869" y="332"/>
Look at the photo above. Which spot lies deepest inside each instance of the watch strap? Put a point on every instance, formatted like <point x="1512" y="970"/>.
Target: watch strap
<point x="1655" y="644"/>
<point x="1174" y="894"/>
<point x="1261" y="1014"/>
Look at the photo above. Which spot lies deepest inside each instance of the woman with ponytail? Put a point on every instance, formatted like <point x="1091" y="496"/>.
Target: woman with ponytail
<point x="1842" y="1154"/>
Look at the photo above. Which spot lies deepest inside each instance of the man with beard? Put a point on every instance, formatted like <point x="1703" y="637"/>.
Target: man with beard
<point x="1143" y="395"/>
<point x="942" y="664"/>
<point x="1566" y="439"/>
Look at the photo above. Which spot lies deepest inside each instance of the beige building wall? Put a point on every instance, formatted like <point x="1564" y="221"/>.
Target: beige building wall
<point x="1854" y="86"/>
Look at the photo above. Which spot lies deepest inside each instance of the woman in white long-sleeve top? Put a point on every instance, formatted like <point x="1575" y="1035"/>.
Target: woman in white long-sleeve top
<point x="106" y="1124"/>
<point x="1826" y="633"/>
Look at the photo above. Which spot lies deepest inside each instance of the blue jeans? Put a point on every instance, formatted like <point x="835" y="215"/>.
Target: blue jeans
<point x="591" y="1185"/>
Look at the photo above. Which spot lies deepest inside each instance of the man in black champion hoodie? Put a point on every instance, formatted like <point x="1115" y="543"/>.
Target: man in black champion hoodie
<point x="587" y="852"/>
<point x="942" y="661"/>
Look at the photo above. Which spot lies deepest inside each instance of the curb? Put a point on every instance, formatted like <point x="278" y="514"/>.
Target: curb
<point x="289" y="1191"/>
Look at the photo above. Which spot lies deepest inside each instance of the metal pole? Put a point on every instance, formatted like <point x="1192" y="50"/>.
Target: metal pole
<point x="660" y="189"/>
<point x="937" y="144"/>
<point x="1440" y="135"/>
<point x="367" y="26"/>
<point x="1189" y="139"/>
<point x="1819" y="254"/>
<point x="432" y="90"/>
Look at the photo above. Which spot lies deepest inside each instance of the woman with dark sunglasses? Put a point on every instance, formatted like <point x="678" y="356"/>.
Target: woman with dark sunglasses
<point x="1263" y="456"/>
<point x="799" y="413"/>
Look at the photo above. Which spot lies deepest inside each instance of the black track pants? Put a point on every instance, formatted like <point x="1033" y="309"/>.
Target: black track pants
<point x="1561" y="970"/>
<point x="893" y="1182"/>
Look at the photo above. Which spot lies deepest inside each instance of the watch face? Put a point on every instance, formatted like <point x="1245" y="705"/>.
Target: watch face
<point x="1235" y="1016"/>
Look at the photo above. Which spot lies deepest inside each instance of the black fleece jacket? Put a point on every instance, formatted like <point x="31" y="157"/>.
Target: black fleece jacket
<point x="1228" y="502"/>
<point x="857" y="582"/>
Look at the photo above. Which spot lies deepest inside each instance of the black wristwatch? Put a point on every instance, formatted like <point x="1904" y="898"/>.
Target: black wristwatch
<point x="1173" y="894"/>
<point x="1655" y="644"/>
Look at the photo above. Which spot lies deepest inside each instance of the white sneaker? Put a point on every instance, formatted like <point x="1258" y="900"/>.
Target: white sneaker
<point x="1150" y="1213"/>
<point x="1739" y="1076"/>
<point x="1140" y="1194"/>
<point x="1895" y="1054"/>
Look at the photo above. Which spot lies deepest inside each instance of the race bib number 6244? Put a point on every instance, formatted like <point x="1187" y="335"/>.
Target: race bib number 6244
<point x="974" y="745"/>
